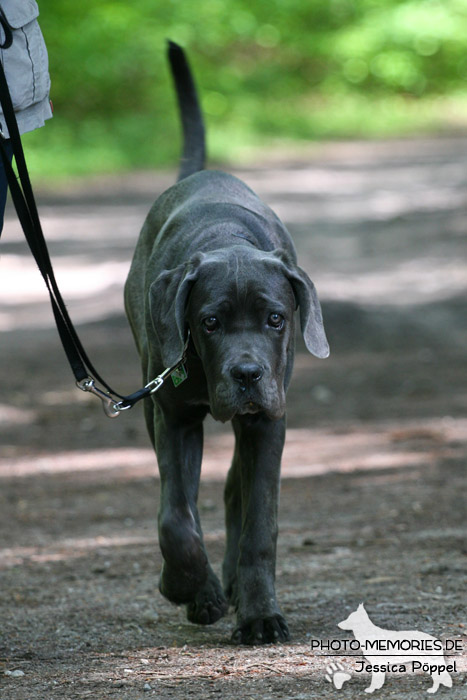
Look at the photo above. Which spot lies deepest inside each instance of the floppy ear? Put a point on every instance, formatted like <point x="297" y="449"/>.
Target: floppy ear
<point x="168" y="296"/>
<point x="311" y="318"/>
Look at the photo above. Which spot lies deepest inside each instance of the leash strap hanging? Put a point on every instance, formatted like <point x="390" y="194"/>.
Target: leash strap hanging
<point x="23" y="199"/>
<point x="26" y="209"/>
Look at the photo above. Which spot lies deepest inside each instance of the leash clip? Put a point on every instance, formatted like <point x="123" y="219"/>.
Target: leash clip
<point x="155" y="384"/>
<point x="111" y="409"/>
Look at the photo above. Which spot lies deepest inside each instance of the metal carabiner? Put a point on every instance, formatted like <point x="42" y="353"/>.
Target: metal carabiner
<point x="113" y="408"/>
<point x="155" y="384"/>
<point x="108" y="403"/>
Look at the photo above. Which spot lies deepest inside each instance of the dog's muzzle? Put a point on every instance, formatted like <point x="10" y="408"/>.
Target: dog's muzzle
<point x="246" y="388"/>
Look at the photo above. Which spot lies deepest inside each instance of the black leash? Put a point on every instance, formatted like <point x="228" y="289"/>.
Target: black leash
<point x="26" y="209"/>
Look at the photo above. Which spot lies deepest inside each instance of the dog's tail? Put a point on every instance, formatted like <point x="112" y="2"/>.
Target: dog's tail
<point x="194" y="149"/>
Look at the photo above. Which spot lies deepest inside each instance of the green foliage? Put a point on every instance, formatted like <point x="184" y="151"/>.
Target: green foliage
<point x="297" y="69"/>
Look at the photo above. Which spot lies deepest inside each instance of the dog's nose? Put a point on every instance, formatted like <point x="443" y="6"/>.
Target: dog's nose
<point x="246" y="374"/>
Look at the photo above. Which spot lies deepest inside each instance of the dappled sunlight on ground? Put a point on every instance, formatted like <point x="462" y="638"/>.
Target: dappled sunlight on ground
<point x="70" y="548"/>
<point x="307" y="452"/>
<point x="355" y="245"/>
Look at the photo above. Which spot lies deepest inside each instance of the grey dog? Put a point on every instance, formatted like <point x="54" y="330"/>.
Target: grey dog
<point x="214" y="278"/>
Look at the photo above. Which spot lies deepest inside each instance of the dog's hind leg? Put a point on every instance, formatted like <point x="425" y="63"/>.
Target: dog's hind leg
<point x="438" y="679"/>
<point x="259" y="447"/>
<point x="186" y="575"/>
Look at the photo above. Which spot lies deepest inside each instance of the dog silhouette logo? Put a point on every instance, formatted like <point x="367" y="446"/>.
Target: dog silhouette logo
<point x="403" y="651"/>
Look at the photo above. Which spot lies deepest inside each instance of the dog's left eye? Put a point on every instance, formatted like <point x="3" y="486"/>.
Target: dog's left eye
<point x="210" y="323"/>
<point x="275" y="320"/>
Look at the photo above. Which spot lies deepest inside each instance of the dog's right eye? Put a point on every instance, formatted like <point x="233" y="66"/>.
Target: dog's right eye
<point x="276" y="321"/>
<point x="210" y="324"/>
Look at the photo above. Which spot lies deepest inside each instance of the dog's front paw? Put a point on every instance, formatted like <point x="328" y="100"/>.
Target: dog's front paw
<point x="209" y="603"/>
<point x="262" y="631"/>
<point x="177" y="586"/>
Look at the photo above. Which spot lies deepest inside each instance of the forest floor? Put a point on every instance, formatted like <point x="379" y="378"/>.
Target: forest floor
<point x="373" y="505"/>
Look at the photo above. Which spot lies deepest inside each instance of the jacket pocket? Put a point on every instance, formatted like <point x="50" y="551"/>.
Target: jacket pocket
<point x="18" y="14"/>
<point x="25" y="62"/>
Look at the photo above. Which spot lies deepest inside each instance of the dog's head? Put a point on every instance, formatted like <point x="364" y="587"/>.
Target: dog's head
<point x="239" y="304"/>
<point x="355" y="619"/>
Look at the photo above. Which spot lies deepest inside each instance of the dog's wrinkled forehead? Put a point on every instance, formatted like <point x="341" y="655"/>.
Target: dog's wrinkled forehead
<point x="238" y="274"/>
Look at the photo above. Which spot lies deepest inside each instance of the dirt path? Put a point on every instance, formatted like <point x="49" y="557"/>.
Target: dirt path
<point x="373" y="494"/>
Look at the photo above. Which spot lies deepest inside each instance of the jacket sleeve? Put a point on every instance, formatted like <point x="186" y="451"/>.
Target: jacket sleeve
<point x="25" y="64"/>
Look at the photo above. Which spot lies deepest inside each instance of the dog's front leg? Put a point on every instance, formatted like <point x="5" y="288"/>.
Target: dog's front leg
<point x="377" y="681"/>
<point x="186" y="575"/>
<point x="259" y="444"/>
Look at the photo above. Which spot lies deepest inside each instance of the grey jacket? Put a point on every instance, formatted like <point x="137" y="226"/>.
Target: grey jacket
<point x="26" y="66"/>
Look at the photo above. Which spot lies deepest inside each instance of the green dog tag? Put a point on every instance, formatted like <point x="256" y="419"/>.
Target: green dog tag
<point x="179" y="375"/>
